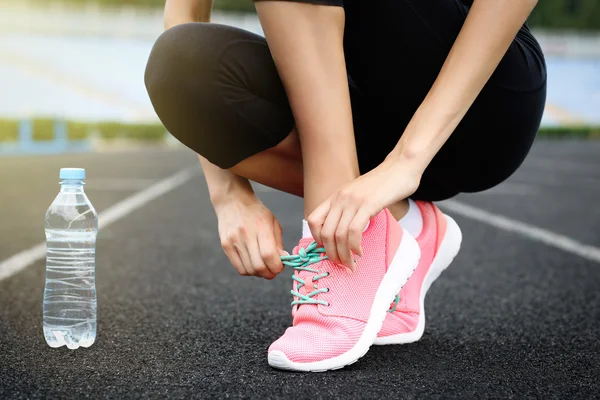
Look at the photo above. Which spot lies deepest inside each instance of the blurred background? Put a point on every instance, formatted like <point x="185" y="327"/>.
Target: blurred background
<point x="516" y="316"/>
<point x="71" y="72"/>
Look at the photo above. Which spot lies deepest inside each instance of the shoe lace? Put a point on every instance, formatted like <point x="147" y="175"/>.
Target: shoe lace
<point x="302" y="262"/>
<point x="395" y="303"/>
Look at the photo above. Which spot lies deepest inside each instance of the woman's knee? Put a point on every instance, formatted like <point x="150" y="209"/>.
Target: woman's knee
<point x="179" y="78"/>
<point x="177" y="59"/>
<point x="187" y="57"/>
<point x="216" y="89"/>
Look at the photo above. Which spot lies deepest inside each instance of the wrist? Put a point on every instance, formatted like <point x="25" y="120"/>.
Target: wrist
<point x="235" y="190"/>
<point x="425" y="135"/>
<point x="397" y="169"/>
<point x="411" y="159"/>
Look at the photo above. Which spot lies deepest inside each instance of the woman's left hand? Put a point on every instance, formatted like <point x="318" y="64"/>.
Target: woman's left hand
<point x="338" y="222"/>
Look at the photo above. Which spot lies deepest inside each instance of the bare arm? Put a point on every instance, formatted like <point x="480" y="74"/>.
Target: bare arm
<point x="488" y="31"/>
<point x="184" y="11"/>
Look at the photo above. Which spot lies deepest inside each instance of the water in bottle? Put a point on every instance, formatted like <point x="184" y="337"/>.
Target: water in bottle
<point x="69" y="314"/>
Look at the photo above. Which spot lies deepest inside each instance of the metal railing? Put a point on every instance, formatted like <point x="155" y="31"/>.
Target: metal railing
<point x="60" y="143"/>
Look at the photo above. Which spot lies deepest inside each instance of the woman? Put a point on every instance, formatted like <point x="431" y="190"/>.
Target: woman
<point x="370" y="110"/>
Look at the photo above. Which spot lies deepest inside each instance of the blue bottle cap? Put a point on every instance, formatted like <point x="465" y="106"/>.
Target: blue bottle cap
<point x="72" y="174"/>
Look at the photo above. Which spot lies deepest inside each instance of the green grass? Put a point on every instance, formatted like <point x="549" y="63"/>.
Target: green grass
<point x="114" y="130"/>
<point x="568" y="132"/>
<point x="8" y="131"/>
<point x="43" y="129"/>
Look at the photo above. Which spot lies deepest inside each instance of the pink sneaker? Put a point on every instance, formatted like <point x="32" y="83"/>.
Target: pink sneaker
<point x="337" y="314"/>
<point x="439" y="243"/>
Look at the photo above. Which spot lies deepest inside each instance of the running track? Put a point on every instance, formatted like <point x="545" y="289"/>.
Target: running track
<point x="516" y="316"/>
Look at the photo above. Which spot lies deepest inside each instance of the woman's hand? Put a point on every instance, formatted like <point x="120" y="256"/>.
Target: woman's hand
<point x="338" y="222"/>
<point x="250" y="236"/>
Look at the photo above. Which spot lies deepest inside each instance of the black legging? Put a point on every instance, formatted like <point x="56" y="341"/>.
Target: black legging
<point x="217" y="90"/>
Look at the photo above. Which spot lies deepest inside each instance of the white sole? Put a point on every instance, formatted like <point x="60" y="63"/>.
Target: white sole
<point x="403" y="264"/>
<point x="446" y="253"/>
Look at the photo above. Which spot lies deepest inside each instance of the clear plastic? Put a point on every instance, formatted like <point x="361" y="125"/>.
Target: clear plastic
<point x="70" y="305"/>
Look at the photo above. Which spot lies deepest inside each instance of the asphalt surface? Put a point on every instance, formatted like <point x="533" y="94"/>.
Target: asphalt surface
<point x="511" y="318"/>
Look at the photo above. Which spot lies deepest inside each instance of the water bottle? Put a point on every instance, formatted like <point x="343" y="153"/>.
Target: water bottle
<point x="69" y="314"/>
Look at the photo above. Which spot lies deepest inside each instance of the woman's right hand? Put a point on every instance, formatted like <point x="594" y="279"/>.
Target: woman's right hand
<point x="251" y="236"/>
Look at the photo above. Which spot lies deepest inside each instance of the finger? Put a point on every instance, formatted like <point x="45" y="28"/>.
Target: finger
<point x="328" y="232"/>
<point x="242" y="253"/>
<point x="234" y="258"/>
<point x="317" y="218"/>
<point x="258" y="266"/>
<point x="278" y="233"/>
<point x="357" y="226"/>
<point x="267" y="247"/>
<point x="342" y="237"/>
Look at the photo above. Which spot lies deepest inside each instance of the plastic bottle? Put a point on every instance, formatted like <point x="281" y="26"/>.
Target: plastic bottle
<point x="70" y="306"/>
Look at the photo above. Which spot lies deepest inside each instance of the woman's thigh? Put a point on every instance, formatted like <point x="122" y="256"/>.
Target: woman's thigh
<point x="394" y="51"/>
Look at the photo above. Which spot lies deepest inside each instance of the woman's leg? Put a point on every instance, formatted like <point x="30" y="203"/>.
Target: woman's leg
<point x="216" y="89"/>
<point x="279" y="167"/>
<point x="306" y="44"/>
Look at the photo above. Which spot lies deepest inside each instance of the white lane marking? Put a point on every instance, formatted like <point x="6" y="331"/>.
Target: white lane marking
<point x="547" y="237"/>
<point x="112" y="214"/>
<point x="21" y="260"/>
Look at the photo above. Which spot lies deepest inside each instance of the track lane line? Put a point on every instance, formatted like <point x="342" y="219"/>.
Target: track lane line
<point x="545" y="236"/>
<point x="22" y="260"/>
<point x="25" y="258"/>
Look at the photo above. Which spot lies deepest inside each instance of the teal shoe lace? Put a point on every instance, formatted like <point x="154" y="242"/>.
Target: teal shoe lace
<point x="395" y="303"/>
<point x="302" y="262"/>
